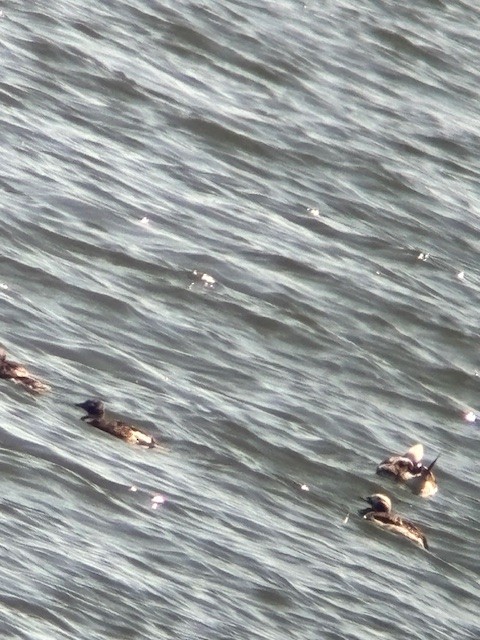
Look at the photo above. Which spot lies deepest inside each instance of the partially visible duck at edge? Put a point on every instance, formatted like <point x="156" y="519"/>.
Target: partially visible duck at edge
<point x="380" y="513"/>
<point x="96" y="417"/>
<point x="19" y="374"/>
<point x="409" y="469"/>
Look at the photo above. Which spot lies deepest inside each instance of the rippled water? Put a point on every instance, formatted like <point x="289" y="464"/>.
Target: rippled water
<point x="320" y="161"/>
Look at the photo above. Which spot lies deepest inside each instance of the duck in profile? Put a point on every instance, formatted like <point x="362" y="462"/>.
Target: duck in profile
<point x="96" y="417"/>
<point x="16" y="372"/>
<point x="380" y="513"/>
<point x="409" y="469"/>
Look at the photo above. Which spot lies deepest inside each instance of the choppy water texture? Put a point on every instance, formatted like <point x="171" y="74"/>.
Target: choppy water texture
<point x="320" y="161"/>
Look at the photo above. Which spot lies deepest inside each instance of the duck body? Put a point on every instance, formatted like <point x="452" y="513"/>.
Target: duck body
<point x="96" y="417"/>
<point x="380" y="513"/>
<point x="16" y="372"/>
<point x="408" y="468"/>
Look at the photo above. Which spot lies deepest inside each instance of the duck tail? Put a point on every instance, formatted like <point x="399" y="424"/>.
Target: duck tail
<point x="430" y="466"/>
<point x="32" y="384"/>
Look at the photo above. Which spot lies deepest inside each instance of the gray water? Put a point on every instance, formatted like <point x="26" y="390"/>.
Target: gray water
<point x="305" y="156"/>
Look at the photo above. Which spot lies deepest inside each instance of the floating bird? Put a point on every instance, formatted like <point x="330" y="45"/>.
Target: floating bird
<point x="380" y="513"/>
<point x="408" y="468"/>
<point x="19" y="374"/>
<point x="96" y="417"/>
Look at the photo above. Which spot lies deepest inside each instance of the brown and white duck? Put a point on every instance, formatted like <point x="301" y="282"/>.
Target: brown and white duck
<point x="409" y="469"/>
<point x="96" y="417"/>
<point x="16" y="372"/>
<point x="380" y="513"/>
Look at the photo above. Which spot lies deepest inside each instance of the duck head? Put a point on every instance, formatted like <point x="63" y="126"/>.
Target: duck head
<point x="94" y="408"/>
<point x="379" y="503"/>
<point x="404" y="466"/>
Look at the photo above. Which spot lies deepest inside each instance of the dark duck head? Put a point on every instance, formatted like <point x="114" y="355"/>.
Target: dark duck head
<point x="379" y="503"/>
<point x="94" y="408"/>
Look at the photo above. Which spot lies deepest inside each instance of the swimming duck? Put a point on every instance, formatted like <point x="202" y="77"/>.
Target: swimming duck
<point x="96" y="417"/>
<point x="19" y="374"/>
<point x="380" y="513"/>
<point x="408" y="468"/>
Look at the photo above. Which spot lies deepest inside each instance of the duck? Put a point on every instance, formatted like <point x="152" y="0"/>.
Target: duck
<point x="409" y="469"/>
<point x="96" y="417"/>
<point x="380" y="513"/>
<point x="16" y="372"/>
